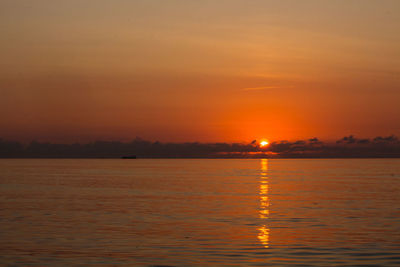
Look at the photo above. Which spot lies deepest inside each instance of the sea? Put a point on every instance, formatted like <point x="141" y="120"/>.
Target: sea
<point x="200" y="212"/>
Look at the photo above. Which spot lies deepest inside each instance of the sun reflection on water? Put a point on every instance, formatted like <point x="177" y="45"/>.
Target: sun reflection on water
<point x="263" y="234"/>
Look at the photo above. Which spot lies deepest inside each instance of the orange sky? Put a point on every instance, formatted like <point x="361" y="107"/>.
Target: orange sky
<point x="198" y="70"/>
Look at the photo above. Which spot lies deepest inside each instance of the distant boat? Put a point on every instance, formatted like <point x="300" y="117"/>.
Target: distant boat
<point x="128" y="157"/>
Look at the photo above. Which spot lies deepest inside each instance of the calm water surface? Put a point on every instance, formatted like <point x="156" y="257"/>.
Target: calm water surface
<point x="189" y="212"/>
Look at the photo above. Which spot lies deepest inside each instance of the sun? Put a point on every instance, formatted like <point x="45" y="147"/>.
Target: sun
<point x="263" y="143"/>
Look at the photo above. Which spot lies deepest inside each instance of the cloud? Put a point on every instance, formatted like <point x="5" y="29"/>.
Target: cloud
<point x="261" y="88"/>
<point x="347" y="147"/>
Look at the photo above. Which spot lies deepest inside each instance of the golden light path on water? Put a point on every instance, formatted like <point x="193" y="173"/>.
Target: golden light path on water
<point x="263" y="234"/>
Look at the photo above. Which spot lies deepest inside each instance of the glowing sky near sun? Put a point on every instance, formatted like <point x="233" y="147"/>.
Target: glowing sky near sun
<point x="198" y="70"/>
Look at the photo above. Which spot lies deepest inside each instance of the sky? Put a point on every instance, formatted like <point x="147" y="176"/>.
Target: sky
<point x="207" y="71"/>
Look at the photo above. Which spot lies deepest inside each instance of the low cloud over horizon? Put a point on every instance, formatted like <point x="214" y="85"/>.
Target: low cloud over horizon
<point x="348" y="146"/>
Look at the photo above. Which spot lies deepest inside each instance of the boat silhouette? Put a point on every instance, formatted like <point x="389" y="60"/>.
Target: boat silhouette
<point x="129" y="157"/>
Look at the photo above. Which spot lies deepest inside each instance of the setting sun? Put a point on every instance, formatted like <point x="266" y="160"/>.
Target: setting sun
<point x="263" y="143"/>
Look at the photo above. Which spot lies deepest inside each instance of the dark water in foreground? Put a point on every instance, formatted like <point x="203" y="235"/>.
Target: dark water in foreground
<point x="186" y="212"/>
